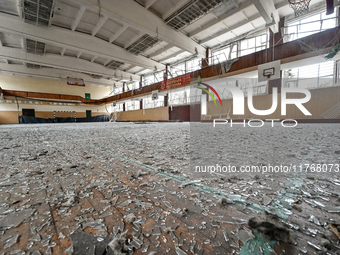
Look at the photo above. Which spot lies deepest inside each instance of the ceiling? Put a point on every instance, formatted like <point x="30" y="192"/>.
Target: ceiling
<point x="108" y="42"/>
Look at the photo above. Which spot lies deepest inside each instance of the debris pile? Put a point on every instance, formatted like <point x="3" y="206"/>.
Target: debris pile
<point x="123" y="189"/>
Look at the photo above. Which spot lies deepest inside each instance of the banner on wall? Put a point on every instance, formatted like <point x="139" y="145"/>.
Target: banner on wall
<point x="176" y="82"/>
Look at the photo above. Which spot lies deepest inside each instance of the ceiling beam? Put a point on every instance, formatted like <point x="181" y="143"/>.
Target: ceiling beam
<point x="134" y="39"/>
<point x="269" y="13"/>
<point x="99" y="25"/>
<point x="130" y="68"/>
<point x="65" y="63"/>
<point x="55" y="74"/>
<point x="63" y="50"/>
<point x="231" y="28"/>
<point x="224" y="16"/>
<point x="148" y="3"/>
<point x="178" y="5"/>
<point x="172" y="55"/>
<point x="141" y="71"/>
<point x="74" y="41"/>
<point x="19" y="7"/>
<point x="107" y="62"/>
<point x="160" y="51"/>
<point x="79" y="15"/>
<point x="118" y="33"/>
<point x="150" y="24"/>
<point x="23" y="43"/>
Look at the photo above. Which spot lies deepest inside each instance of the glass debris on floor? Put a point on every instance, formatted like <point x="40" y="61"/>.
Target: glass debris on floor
<point x="89" y="189"/>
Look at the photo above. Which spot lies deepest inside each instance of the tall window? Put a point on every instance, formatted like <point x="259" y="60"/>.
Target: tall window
<point x="309" y="25"/>
<point x="254" y="44"/>
<point x="309" y="77"/>
<point x="159" y="76"/>
<point x="117" y="108"/>
<point x="224" y="54"/>
<point x="132" y="105"/>
<point x="148" y="80"/>
<point x="241" y="48"/>
<point x="183" y="96"/>
<point x="149" y="103"/>
<point x="193" y="65"/>
<point x="178" y="69"/>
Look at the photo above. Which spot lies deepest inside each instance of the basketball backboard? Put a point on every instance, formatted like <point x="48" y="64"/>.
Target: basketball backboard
<point x="269" y="71"/>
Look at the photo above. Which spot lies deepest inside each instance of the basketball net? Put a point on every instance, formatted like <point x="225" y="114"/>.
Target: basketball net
<point x="300" y="7"/>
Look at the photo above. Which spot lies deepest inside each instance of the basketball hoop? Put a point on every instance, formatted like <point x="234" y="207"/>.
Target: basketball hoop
<point x="300" y="7"/>
<point x="268" y="72"/>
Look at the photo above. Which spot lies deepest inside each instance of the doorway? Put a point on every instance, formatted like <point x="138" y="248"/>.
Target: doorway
<point x="88" y="113"/>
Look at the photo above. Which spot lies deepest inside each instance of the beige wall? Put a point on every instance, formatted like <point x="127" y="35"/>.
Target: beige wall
<point x="11" y="117"/>
<point x="12" y="82"/>
<point x="144" y="115"/>
<point x="9" y="109"/>
<point x="321" y="100"/>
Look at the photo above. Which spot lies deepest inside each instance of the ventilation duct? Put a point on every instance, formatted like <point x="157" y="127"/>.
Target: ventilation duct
<point x="95" y="76"/>
<point x="114" y="64"/>
<point x="33" y="66"/>
<point x="35" y="47"/>
<point x="38" y="12"/>
<point x="191" y="12"/>
<point x="142" y="44"/>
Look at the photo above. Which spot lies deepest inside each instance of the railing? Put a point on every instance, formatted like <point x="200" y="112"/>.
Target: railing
<point x="332" y="113"/>
<point x="185" y="100"/>
<point x="114" y="116"/>
<point x="153" y="104"/>
<point x="215" y="59"/>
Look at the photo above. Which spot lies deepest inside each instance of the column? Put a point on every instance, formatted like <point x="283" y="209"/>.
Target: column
<point x="205" y="61"/>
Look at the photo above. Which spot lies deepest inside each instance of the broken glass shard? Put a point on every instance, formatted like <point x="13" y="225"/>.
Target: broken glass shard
<point x="114" y="200"/>
<point x="121" y="226"/>
<point x="313" y="219"/>
<point x="156" y="231"/>
<point x="332" y="209"/>
<point x="15" y="219"/>
<point x="192" y="246"/>
<point x="315" y="246"/>
<point x="167" y="204"/>
<point x="136" y="243"/>
<point x="226" y="237"/>
<point x="180" y="251"/>
<point x="229" y="220"/>
<point x="125" y="203"/>
<point x="10" y="242"/>
<point x="30" y="245"/>
<point x="35" y="238"/>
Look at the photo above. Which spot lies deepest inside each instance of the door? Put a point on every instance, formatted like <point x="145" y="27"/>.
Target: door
<point x="28" y="112"/>
<point x="88" y="113"/>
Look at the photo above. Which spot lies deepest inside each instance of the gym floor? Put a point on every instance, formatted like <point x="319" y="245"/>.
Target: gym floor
<point x="63" y="178"/>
